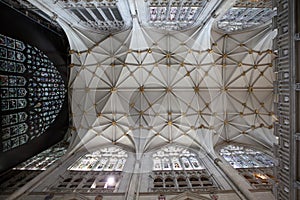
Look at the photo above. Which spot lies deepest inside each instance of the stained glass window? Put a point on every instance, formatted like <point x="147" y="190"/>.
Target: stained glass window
<point x="246" y="14"/>
<point x="44" y="159"/>
<point x="106" y="159"/>
<point x="26" y="171"/>
<point x="255" y="166"/>
<point x="243" y="157"/>
<point x="174" y="15"/>
<point x="32" y="92"/>
<point x="177" y="168"/>
<point x="176" y="158"/>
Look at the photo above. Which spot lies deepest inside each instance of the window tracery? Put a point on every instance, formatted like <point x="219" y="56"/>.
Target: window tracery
<point x="26" y="171"/>
<point x="242" y="157"/>
<point x="180" y="169"/>
<point x="44" y="159"/>
<point x="175" y="158"/>
<point x="99" y="15"/>
<point x="246" y="14"/>
<point x="261" y="178"/>
<point x="88" y="181"/>
<point x="32" y="92"/>
<point x="98" y="171"/>
<point x="106" y="159"/>
<point x="255" y="166"/>
<point x="174" y="15"/>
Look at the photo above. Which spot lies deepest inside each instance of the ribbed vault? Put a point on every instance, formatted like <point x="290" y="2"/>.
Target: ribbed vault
<point x="143" y="88"/>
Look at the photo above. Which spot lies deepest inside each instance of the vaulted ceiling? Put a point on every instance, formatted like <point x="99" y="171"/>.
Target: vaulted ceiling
<point x="161" y="74"/>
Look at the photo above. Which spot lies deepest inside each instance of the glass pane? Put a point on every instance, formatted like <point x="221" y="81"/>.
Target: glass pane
<point x="32" y="92"/>
<point x="106" y="159"/>
<point x="243" y="157"/>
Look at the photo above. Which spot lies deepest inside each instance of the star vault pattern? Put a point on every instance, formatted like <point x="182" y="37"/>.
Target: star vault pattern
<point x="144" y="88"/>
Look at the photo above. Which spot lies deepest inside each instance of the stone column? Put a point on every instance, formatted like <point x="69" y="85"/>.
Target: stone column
<point x="132" y="189"/>
<point x="238" y="181"/>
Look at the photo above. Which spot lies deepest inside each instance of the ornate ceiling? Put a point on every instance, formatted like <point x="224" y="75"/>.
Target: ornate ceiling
<point x="143" y="87"/>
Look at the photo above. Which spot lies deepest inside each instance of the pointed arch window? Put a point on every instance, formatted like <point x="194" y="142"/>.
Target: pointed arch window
<point x="32" y="92"/>
<point x="178" y="168"/>
<point x="246" y="14"/>
<point x="174" y="15"/>
<point x="255" y="166"/>
<point x="100" y="170"/>
<point x="176" y="158"/>
<point x="106" y="159"/>
<point x="243" y="157"/>
<point x="44" y="159"/>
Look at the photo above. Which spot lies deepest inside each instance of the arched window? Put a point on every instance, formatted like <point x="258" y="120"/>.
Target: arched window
<point x="106" y="159"/>
<point x="181" y="180"/>
<point x="176" y="16"/>
<point x="243" y="157"/>
<point x="44" y="159"/>
<point x="178" y="168"/>
<point x="194" y="180"/>
<point x="158" y="182"/>
<point x="259" y="13"/>
<point x="95" y="171"/>
<point x="176" y="158"/>
<point x="32" y="92"/>
<point x="169" y="182"/>
<point x="255" y="166"/>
